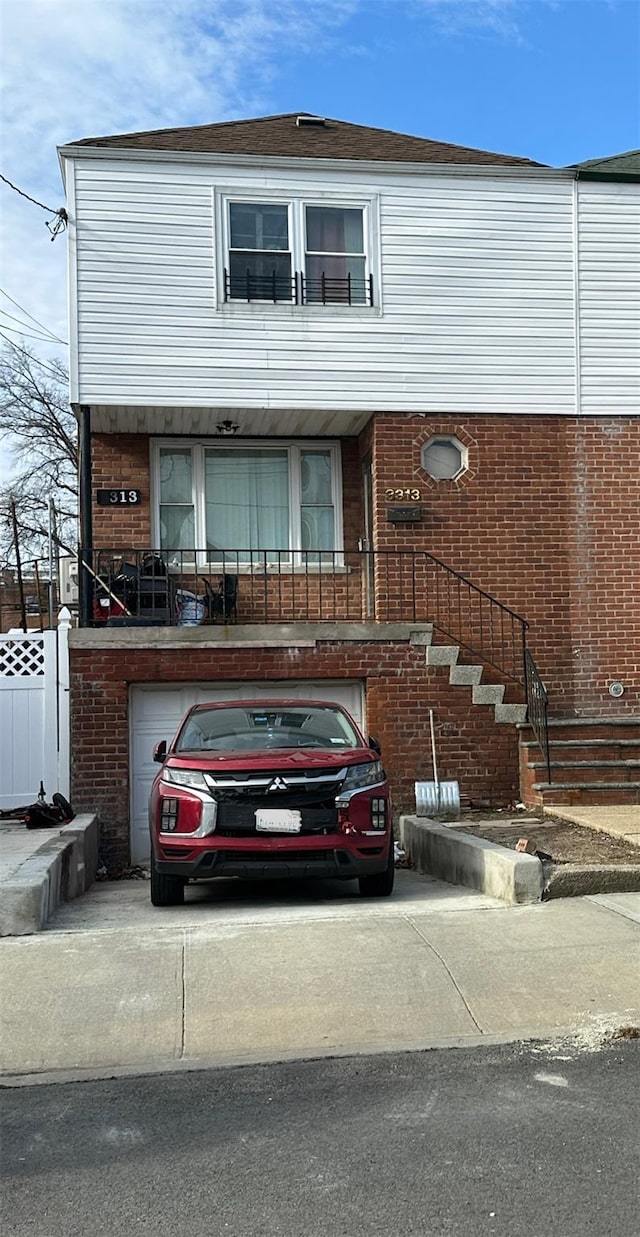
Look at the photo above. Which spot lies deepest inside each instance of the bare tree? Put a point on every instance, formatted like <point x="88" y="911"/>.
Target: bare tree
<point x="40" y="433"/>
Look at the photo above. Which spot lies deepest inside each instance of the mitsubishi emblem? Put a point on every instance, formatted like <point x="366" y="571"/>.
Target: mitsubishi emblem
<point x="278" y="783"/>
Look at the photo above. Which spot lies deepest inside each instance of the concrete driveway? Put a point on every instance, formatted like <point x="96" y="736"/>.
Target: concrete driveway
<point x="261" y="973"/>
<point x="125" y="904"/>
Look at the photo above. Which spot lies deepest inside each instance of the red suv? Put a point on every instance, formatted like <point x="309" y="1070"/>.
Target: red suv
<point x="269" y="789"/>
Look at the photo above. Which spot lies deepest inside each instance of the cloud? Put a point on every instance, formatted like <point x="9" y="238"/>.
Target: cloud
<point x="89" y="67"/>
<point x="462" y="17"/>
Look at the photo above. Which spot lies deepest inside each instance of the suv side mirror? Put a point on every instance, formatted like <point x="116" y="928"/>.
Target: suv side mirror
<point x="160" y="751"/>
<point x="373" y="744"/>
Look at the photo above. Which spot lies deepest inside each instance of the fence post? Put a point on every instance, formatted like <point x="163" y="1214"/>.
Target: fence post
<point x="62" y="703"/>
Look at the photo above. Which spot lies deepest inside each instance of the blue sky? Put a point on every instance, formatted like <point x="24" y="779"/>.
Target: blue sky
<point x="555" y="80"/>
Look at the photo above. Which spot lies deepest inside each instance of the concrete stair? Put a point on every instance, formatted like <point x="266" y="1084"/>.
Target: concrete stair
<point x="491" y="694"/>
<point x="593" y="761"/>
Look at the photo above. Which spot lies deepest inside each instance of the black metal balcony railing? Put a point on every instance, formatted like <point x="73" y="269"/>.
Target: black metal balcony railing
<point x="126" y="587"/>
<point x="326" y="290"/>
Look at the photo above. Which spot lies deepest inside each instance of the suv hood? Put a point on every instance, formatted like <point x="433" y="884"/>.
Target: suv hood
<point x="278" y="758"/>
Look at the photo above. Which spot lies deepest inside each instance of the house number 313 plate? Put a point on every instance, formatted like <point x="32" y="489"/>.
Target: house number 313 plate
<point x="118" y="498"/>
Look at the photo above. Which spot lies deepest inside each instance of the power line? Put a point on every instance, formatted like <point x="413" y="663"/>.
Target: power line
<point x="34" y="360"/>
<point x="60" y="215"/>
<point x="31" y="316"/>
<point x="49" y="209"/>
<point x="43" y="339"/>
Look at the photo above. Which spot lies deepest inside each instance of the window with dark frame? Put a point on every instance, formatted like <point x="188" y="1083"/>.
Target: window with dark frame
<point x="335" y="262"/>
<point x="259" y="254"/>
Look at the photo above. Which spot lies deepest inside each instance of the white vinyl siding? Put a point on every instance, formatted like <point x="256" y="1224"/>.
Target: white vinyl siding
<point x="474" y="291"/>
<point x="609" y="291"/>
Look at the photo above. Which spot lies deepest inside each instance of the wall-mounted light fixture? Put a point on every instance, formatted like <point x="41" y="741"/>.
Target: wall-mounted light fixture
<point x="227" y="427"/>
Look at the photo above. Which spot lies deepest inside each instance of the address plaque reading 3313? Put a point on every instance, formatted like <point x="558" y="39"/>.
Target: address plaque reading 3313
<point x="398" y="495"/>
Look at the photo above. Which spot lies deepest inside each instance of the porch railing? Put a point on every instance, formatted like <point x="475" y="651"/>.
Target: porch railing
<point x="178" y="587"/>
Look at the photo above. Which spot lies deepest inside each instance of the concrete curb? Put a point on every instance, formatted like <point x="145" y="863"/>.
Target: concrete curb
<point x="61" y="869"/>
<point x="577" y="880"/>
<point x="438" y="850"/>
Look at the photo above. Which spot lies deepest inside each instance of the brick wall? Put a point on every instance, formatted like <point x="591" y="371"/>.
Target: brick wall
<point x="547" y="519"/>
<point x="473" y="750"/>
<point x="122" y="461"/>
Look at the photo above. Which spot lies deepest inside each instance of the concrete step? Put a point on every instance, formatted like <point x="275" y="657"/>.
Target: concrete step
<point x="488" y="693"/>
<point x="586" y="794"/>
<point x="510" y="714"/>
<point x="465" y="676"/>
<point x="442" y="654"/>
<point x="586" y="729"/>
<point x="590" y="751"/>
<point x="585" y="771"/>
<point x="424" y="636"/>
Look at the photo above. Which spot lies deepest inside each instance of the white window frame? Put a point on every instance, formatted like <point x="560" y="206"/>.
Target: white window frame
<point x="453" y="441"/>
<point x="296" y="203"/>
<point x="292" y="558"/>
<point x="326" y="253"/>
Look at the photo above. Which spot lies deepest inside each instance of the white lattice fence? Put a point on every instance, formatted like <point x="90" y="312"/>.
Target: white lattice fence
<point x="34" y="714"/>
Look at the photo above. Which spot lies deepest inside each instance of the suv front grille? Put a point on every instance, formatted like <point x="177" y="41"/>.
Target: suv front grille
<point x="237" y="818"/>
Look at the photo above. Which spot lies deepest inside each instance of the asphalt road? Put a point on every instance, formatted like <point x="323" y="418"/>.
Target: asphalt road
<point x="535" y="1140"/>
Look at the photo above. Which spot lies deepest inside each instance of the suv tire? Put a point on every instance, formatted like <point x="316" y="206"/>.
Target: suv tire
<point x="380" y="885"/>
<point x="165" y="890"/>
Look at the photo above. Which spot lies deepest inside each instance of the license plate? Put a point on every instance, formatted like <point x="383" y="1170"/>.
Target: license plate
<point x="278" y="820"/>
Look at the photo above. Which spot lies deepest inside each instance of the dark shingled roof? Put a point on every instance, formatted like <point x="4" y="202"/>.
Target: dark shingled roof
<point x="280" y="135"/>
<point x="628" y="163"/>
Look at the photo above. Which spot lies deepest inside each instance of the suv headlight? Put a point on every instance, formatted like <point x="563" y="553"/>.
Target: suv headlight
<point x="359" y="776"/>
<point x="185" y="777"/>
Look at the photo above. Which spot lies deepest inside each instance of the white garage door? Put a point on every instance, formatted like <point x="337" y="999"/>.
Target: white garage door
<point x="155" y="713"/>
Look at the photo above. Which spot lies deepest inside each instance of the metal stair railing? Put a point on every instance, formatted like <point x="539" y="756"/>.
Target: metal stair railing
<point x="276" y="586"/>
<point x="537" y="699"/>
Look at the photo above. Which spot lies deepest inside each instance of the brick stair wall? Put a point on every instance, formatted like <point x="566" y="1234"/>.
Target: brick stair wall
<point x="592" y="762"/>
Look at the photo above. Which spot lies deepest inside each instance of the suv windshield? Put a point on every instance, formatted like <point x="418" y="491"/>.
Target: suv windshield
<point x="253" y="729"/>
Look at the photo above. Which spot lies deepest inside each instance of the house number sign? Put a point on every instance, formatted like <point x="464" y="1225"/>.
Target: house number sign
<point x="401" y="495"/>
<point x="118" y="498"/>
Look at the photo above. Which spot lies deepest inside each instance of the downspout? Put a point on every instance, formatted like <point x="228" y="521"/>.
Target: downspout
<point x="86" y="518"/>
<point x="577" y="341"/>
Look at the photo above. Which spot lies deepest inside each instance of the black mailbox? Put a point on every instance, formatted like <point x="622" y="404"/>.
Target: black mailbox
<point x="404" y="515"/>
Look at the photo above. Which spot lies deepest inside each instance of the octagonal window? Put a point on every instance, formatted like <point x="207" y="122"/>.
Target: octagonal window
<point x="444" y="458"/>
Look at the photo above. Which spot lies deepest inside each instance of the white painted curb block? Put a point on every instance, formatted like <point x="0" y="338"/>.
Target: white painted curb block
<point x="439" y="850"/>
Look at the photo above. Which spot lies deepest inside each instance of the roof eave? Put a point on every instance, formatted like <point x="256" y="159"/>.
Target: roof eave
<point x="366" y="165"/>
<point x="622" y="177"/>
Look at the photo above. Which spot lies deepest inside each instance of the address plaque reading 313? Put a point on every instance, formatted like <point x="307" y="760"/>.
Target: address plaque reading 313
<point x="403" y="494"/>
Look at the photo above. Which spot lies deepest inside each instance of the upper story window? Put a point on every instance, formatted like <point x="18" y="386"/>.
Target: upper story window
<point x="335" y="261"/>
<point x="297" y="251"/>
<point x="259" y="253"/>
